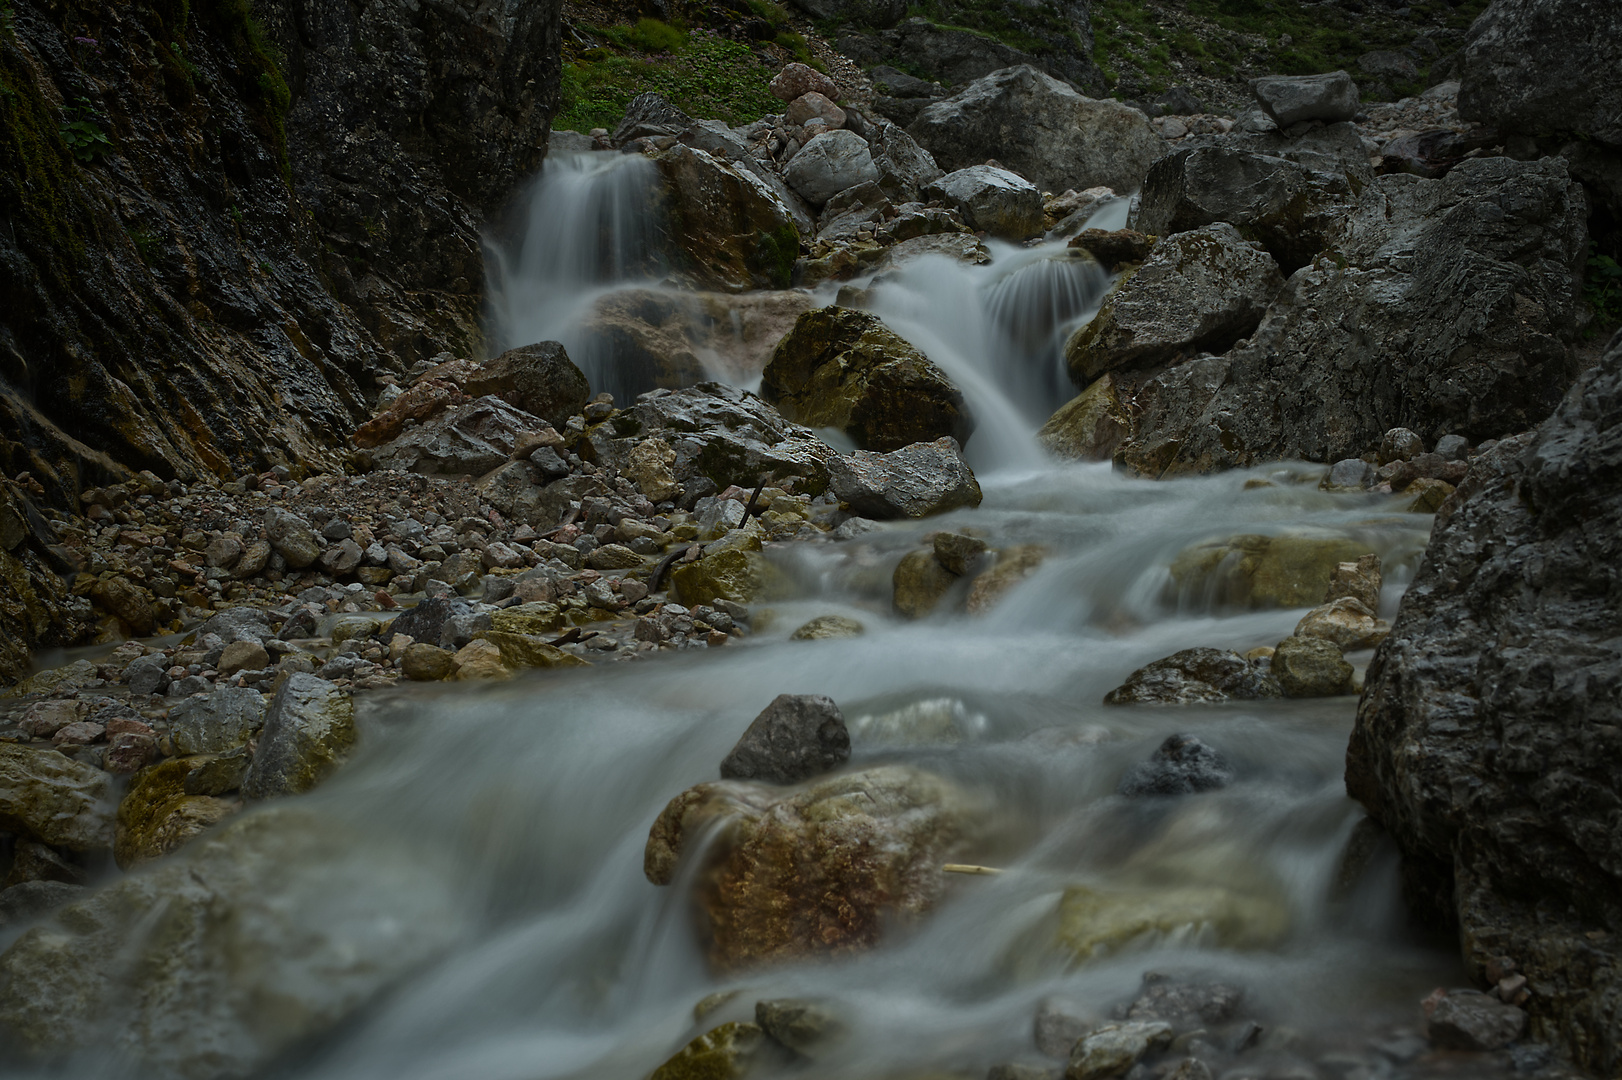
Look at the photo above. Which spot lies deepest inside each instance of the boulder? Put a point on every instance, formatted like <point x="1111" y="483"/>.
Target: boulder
<point x="959" y="553"/>
<point x="1311" y="667"/>
<point x="1088" y="427"/>
<point x="805" y="1027"/>
<point x="1041" y="129"/>
<point x="814" y="106"/>
<point x="539" y="379"/>
<point x="464" y="440"/>
<point x="1293" y="211"/>
<point x="829" y="164"/>
<point x="1470" y="278"/>
<point x="423" y="662"/>
<point x="796" y="79"/>
<point x="240" y="623"/>
<point x="1194" y="676"/>
<point x="735" y="575"/>
<point x="223" y="720"/>
<point x="649" y="115"/>
<point x="796" y="737"/>
<point x="820" y="870"/>
<point x="734" y="230"/>
<point x="449" y="623"/>
<point x="1198" y="290"/>
<point x="157" y="814"/>
<point x="1182" y="765"/>
<point x="1113" y="1049"/>
<point x="1114" y="248"/>
<point x="51" y="798"/>
<point x="904" y="166"/>
<point x="915" y="481"/>
<point x="1544" y="68"/>
<point x="1485" y="742"/>
<point x="1348" y="624"/>
<point x="843" y="368"/>
<point x="175" y="966"/>
<point x="990" y="200"/>
<point x="1262" y="571"/>
<point x="1290" y="99"/>
<point x="309" y="729"/>
<point x="292" y="537"/>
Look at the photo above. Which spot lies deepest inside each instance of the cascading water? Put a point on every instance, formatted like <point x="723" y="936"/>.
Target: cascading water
<point x="527" y="806"/>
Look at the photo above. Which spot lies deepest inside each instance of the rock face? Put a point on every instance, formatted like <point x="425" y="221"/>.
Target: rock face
<point x="959" y="56"/>
<point x="174" y="965"/>
<point x="1545" y="67"/>
<point x="1041" y="129"/>
<point x="1470" y="278"/>
<point x="1198" y="290"/>
<point x="915" y="481"/>
<point x="844" y="368"/>
<point x="234" y="325"/>
<point x="796" y="737"/>
<point x="39" y="607"/>
<point x="1486" y="740"/>
<point x="736" y="233"/>
<point x="991" y="200"/>
<point x="816" y="871"/>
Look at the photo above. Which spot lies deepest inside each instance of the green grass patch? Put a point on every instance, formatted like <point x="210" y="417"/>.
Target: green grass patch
<point x="1602" y="288"/>
<point x="704" y="76"/>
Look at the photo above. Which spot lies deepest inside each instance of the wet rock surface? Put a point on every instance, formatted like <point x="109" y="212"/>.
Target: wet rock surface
<point x="795" y="738"/>
<point x="1493" y="678"/>
<point x="915" y="481"/>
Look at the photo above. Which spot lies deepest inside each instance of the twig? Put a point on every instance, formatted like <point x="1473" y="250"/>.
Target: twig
<point x="970" y="868"/>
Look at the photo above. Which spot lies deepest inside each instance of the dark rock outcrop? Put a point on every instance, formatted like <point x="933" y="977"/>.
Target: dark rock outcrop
<point x="219" y="227"/>
<point x="1469" y="281"/>
<point x="1487" y="738"/>
<point x="955" y="55"/>
<point x="794" y="738"/>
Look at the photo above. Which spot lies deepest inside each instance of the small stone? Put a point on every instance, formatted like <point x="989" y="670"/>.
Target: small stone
<point x="806" y="1027"/>
<point x="1114" y="1048"/>
<point x="1181" y="765"/>
<point x="1471" y="1020"/>
<point x="1453" y="448"/>
<point x="78" y="733"/>
<point x="1349" y="474"/>
<point x="292" y="538"/>
<point x="1360" y="581"/>
<point x="1399" y="444"/>
<point x="129" y="751"/>
<point x="242" y="656"/>
<point x="1058" y="1027"/>
<point x="423" y="662"/>
<point x="45" y="718"/>
<point x="794" y="738"/>
<point x="481" y="659"/>
<point x="148" y="675"/>
<point x="797" y="80"/>
<point x="1348" y="623"/>
<point x="827" y="626"/>
<point x="1428" y="495"/>
<point x="957" y="552"/>
<point x="616" y="557"/>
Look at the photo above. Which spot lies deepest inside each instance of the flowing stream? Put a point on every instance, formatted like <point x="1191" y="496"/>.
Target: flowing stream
<point x="528" y="804"/>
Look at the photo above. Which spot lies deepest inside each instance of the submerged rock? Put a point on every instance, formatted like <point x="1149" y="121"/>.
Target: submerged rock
<point x="1182" y="765"/>
<point x="1113" y="1049"/>
<point x="919" y="583"/>
<point x="820" y="870"/>
<point x="805" y="1027"/>
<point x="723" y="1053"/>
<point x="796" y="737"/>
<point x="1194" y="676"/>
<point x="158" y="814"/>
<point x="845" y="369"/>
<point x="828" y="626"/>
<point x="1262" y="571"/>
<point x="1095" y="922"/>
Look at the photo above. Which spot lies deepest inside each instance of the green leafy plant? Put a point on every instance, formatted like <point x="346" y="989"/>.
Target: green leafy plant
<point x="707" y="76"/>
<point x="234" y="214"/>
<point x="81" y="133"/>
<point x="1602" y="288"/>
<point x="146" y="244"/>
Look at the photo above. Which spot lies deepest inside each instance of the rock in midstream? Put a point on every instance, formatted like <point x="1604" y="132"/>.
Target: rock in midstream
<point x="818" y="870"/>
<point x="796" y="737"/>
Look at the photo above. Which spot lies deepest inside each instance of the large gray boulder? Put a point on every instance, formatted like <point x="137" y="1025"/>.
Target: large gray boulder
<point x="1545" y="67"/>
<point x="1198" y="290"/>
<point x="1290" y="99"/>
<point x="904" y="166"/>
<point x="464" y="440"/>
<point x="1042" y="129"/>
<point x="915" y="481"/>
<point x="796" y="737"/>
<point x="1471" y="280"/>
<point x="1486" y="742"/>
<point x="991" y="200"/>
<point x="1292" y="210"/>
<point x="540" y="379"/>
<point x="830" y="163"/>
<point x="219" y="722"/>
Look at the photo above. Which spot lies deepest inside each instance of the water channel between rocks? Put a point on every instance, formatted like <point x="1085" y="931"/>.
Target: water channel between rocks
<point x="501" y="829"/>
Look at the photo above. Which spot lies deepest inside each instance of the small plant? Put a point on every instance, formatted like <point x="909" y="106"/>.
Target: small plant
<point x="266" y="266"/>
<point x="81" y="133"/>
<point x="234" y="214"/>
<point x="146" y="244"/>
<point x="1602" y="287"/>
<point x="185" y="62"/>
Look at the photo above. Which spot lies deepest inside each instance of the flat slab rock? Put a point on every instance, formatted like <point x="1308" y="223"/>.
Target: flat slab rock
<point x="915" y="481"/>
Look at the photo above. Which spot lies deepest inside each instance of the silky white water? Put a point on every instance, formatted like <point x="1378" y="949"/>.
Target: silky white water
<point x="508" y="822"/>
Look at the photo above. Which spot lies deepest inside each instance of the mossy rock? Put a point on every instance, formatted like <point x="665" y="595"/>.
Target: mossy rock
<point x="1263" y="571"/>
<point x="524" y="650"/>
<point x="1088" y="427"/>
<point x="1311" y="667"/>
<point x="1095" y="923"/>
<point x="157" y="815"/>
<point x="529" y="619"/>
<point x="736" y="575"/>
<point x="920" y="583"/>
<point x="723" y="1053"/>
<point x="828" y="626"/>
